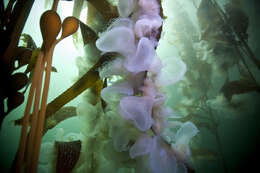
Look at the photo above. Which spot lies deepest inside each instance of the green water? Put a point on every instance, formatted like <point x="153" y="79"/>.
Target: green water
<point x="238" y="129"/>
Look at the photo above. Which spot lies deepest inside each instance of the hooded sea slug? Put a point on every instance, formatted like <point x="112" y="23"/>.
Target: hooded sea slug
<point x="134" y="37"/>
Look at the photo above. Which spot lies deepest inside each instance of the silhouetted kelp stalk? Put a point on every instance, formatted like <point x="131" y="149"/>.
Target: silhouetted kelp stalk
<point x="237" y="34"/>
<point x="12" y="22"/>
<point x="50" y="26"/>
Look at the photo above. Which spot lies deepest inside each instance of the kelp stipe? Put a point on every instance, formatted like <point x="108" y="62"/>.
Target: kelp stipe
<point x="50" y="26"/>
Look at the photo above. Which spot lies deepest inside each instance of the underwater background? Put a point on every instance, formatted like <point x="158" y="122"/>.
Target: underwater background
<point x="219" y="93"/>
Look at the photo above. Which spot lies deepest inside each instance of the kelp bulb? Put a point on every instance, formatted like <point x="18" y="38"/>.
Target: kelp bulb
<point x="69" y="26"/>
<point x="50" y="24"/>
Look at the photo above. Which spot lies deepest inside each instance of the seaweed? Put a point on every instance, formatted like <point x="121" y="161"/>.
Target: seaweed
<point x="240" y="36"/>
<point x="34" y="54"/>
<point x="205" y="154"/>
<point x="100" y="12"/>
<point x="61" y="115"/>
<point x="68" y="154"/>
<point x="105" y="8"/>
<point x="91" y="79"/>
<point x="238" y="87"/>
<point x="12" y="21"/>
<point x="29" y="42"/>
<point x="88" y="35"/>
<point x="88" y="80"/>
<point x="50" y="25"/>
<point x="218" y="37"/>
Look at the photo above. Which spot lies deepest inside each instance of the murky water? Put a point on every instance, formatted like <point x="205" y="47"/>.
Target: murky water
<point x="218" y="40"/>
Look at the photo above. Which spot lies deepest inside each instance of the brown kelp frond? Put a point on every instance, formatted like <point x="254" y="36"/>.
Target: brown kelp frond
<point x="88" y="35"/>
<point x="95" y="19"/>
<point x="239" y="87"/>
<point x="18" y="81"/>
<point x="91" y="78"/>
<point x="28" y="41"/>
<point x="204" y="154"/>
<point x="33" y="59"/>
<point x="14" y="98"/>
<point x="12" y="22"/>
<point x="98" y="87"/>
<point x="93" y="15"/>
<point x="22" y="56"/>
<point x="105" y="8"/>
<point x="61" y="115"/>
<point x="67" y="155"/>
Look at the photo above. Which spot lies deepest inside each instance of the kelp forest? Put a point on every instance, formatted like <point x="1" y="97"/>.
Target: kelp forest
<point x="129" y="86"/>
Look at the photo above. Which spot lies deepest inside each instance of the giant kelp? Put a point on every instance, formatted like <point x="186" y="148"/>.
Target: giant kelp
<point x="84" y="83"/>
<point x="199" y="73"/>
<point x="67" y="155"/>
<point x="12" y="22"/>
<point x="50" y="25"/>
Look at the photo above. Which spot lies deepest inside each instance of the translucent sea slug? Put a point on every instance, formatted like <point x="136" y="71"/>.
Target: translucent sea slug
<point x="138" y="96"/>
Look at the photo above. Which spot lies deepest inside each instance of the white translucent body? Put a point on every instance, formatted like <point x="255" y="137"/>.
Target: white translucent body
<point x="143" y="58"/>
<point x="149" y="6"/>
<point x="182" y="138"/>
<point x="141" y="147"/>
<point x="146" y="25"/>
<point x="173" y="71"/>
<point x="138" y="110"/>
<point x="118" y="39"/>
<point x="115" y="92"/>
<point x="126" y="7"/>
<point x="161" y="161"/>
<point x="126" y="22"/>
